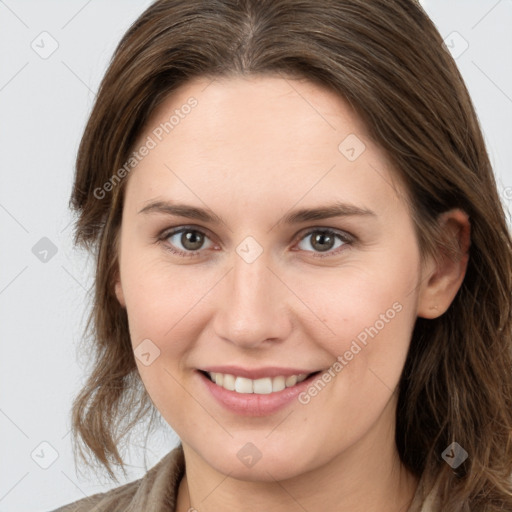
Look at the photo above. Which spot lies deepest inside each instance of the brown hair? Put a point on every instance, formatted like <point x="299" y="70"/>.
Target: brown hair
<point x="387" y="59"/>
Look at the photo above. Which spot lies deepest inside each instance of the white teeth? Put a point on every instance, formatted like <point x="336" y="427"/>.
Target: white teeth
<point x="291" y="380"/>
<point x="262" y="386"/>
<point x="229" y="382"/>
<point x="278" y="383"/>
<point x="243" y="385"/>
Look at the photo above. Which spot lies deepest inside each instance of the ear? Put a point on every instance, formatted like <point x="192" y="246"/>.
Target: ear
<point x="441" y="279"/>
<point x="119" y="290"/>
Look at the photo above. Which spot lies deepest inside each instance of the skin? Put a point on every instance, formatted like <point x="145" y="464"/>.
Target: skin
<point x="252" y="150"/>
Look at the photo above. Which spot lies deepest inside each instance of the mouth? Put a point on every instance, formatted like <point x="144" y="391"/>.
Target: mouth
<point x="261" y="386"/>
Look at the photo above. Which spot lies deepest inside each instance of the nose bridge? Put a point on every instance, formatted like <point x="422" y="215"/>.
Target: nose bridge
<point x="251" y="282"/>
<point x="253" y="309"/>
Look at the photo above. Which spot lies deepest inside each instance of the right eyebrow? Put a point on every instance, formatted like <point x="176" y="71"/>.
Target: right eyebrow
<point x="183" y="210"/>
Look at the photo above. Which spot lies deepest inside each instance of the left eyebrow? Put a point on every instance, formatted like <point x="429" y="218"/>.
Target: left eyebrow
<point x="337" y="209"/>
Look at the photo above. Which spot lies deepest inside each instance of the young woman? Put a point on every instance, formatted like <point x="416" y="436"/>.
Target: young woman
<point x="303" y="264"/>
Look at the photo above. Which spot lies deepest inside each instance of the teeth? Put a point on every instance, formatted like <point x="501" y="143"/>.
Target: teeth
<point x="278" y="383"/>
<point x="229" y="382"/>
<point x="291" y="380"/>
<point x="243" y="385"/>
<point x="263" y="386"/>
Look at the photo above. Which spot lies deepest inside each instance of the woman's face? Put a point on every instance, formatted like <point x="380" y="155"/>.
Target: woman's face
<point x="259" y="289"/>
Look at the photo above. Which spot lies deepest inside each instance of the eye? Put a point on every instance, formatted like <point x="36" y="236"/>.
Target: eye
<point x="191" y="239"/>
<point x="324" y="240"/>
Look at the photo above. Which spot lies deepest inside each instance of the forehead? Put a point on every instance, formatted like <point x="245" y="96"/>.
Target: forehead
<point x="263" y="136"/>
<point x="289" y="109"/>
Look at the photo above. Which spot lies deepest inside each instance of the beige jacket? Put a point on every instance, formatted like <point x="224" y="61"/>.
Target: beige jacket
<point x="156" y="491"/>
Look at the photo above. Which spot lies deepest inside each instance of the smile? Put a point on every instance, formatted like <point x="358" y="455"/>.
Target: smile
<point x="255" y="391"/>
<point x="263" y="386"/>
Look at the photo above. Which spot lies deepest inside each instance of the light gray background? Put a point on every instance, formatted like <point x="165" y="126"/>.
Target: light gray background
<point x="44" y="103"/>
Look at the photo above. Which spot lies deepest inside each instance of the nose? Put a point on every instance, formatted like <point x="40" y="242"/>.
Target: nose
<point x="254" y="305"/>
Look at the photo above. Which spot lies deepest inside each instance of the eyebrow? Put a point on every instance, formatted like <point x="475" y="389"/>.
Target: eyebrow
<point x="337" y="209"/>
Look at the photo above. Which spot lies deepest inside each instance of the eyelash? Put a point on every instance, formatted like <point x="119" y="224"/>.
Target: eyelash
<point x="345" y="238"/>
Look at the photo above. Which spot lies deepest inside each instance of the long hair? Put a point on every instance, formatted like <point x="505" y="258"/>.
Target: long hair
<point x="388" y="61"/>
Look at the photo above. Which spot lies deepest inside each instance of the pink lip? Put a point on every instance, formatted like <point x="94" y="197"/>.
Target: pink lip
<point x="258" y="373"/>
<point x="252" y="404"/>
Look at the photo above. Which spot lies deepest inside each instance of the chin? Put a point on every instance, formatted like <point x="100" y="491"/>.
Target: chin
<point x="261" y="460"/>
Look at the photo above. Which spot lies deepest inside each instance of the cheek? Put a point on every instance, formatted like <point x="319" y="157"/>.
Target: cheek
<point x="367" y="317"/>
<point x="161" y="306"/>
<point x="159" y="301"/>
<point x="372" y="323"/>
<point x="358" y="300"/>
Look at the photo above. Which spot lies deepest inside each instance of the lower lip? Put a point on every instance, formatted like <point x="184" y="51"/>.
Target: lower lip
<point x="253" y="404"/>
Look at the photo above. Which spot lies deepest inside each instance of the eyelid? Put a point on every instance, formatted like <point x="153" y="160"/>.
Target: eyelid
<point x="346" y="237"/>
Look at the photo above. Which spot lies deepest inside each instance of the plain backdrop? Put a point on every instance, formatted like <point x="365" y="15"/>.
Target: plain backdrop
<point x="52" y="57"/>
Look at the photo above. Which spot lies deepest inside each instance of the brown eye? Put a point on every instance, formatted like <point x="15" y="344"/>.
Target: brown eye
<point x="185" y="241"/>
<point x="324" y="240"/>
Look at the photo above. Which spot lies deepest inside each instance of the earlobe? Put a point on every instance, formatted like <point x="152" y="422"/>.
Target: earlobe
<point x="442" y="278"/>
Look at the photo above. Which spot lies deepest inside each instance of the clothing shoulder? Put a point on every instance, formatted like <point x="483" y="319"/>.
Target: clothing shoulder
<point x="157" y="487"/>
<point x="120" y="496"/>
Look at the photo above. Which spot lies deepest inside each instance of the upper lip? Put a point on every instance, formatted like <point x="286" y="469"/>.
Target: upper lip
<point x="258" y="373"/>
